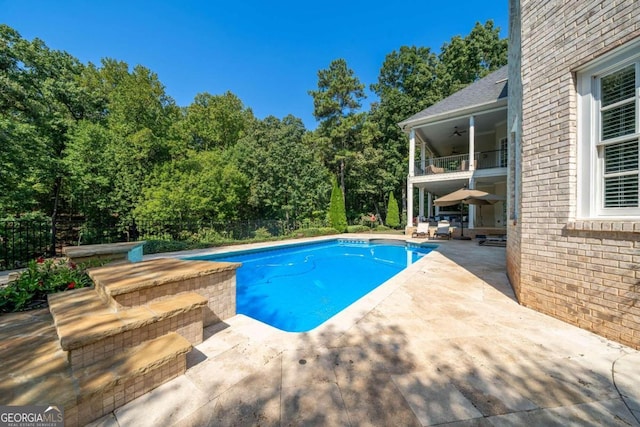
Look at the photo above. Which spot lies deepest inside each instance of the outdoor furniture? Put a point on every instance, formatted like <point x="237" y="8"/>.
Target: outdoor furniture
<point x="430" y="169"/>
<point x="494" y="240"/>
<point x="443" y="230"/>
<point x="422" y="231"/>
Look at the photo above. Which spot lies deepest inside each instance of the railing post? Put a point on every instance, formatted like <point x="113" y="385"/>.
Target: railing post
<point x="472" y="141"/>
<point x="53" y="238"/>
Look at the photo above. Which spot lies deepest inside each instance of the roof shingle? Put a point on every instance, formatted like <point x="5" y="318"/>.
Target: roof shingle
<point x="491" y="88"/>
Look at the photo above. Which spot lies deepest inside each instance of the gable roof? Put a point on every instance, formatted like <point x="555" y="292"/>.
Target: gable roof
<point x="490" y="89"/>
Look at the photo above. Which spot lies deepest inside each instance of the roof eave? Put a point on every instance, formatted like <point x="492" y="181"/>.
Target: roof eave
<point x="406" y="125"/>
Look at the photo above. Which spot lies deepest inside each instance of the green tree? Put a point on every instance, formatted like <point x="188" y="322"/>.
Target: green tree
<point x="466" y="59"/>
<point x="336" y="103"/>
<point x="131" y="139"/>
<point x="287" y="181"/>
<point x="205" y="186"/>
<point x="337" y="213"/>
<point x="215" y="121"/>
<point x="407" y="84"/>
<point x="393" y="213"/>
<point x="40" y="105"/>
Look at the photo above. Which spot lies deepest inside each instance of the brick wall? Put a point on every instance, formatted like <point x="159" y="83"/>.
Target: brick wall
<point x="514" y="133"/>
<point x="583" y="272"/>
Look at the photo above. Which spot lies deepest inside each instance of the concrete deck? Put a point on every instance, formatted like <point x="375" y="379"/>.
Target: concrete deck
<point x="442" y="343"/>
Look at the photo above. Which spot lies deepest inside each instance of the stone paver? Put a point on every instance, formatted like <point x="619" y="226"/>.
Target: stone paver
<point x="442" y="343"/>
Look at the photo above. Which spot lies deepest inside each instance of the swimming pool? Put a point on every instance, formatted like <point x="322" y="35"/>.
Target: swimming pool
<point x="297" y="288"/>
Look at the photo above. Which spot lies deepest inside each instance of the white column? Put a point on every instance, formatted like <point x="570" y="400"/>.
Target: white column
<point x="409" y="202"/>
<point x="472" y="208"/>
<point x="412" y="153"/>
<point x="472" y="132"/>
<point x="429" y="204"/>
<point x="423" y="157"/>
<point x="412" y="164"/>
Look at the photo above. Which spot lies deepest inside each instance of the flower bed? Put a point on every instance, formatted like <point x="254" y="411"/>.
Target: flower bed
<point x="43" y="277"/>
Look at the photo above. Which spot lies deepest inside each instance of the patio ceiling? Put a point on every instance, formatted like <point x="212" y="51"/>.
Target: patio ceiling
<point x="441" y="187"/>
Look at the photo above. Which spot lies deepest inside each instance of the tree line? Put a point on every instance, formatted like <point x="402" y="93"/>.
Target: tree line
<point x="108" y="143"/>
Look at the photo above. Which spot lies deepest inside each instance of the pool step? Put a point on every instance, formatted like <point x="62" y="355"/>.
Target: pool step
<point x="116" y="356"/>
<point x="89" y="330"/>
<point x="132" y="331"/>
<point x="112" y="382"/>
<point x="126" y="286"/>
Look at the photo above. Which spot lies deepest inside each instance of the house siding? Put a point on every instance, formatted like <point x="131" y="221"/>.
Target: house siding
<point x="583" y="272"/>
<point x="514" y="133"/>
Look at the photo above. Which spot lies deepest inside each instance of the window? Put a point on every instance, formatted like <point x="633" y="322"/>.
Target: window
<point x="608" y="135"/>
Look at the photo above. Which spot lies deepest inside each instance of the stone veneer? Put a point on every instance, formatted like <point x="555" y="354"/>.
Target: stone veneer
<point x="583" y="272"/>
<point x="132" y="285"/>
<point x="106" y="388"/>
<point x="90" y="331"/>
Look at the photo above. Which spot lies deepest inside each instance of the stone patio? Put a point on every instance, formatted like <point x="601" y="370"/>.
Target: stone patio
<point x="443" y="343"/>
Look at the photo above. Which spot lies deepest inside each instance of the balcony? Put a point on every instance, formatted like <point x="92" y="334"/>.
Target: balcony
<point x="460" y="163"/>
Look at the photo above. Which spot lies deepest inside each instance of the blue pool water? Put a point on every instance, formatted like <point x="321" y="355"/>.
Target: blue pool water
<point x="296" y="288"/>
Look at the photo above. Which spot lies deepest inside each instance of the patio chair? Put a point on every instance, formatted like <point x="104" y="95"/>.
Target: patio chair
<point x="422" y="231"/>
<point x="443" y="230"/>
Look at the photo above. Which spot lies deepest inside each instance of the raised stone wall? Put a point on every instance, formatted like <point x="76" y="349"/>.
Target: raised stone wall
<point x="133" y="285"/>
<point x="219" y="288"/>
<point x="583" y="272"/>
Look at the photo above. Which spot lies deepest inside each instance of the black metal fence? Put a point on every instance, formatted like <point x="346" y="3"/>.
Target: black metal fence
<point x="25" y="240"/>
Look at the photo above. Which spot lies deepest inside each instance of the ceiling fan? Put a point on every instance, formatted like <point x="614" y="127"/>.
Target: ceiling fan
<point x="458" y="132"/>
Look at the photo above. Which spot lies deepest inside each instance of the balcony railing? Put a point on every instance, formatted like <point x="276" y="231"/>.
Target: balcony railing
<point x="460" y="162"/>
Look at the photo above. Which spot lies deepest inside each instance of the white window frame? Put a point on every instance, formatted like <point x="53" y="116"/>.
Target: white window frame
<point x="590" y="164"/>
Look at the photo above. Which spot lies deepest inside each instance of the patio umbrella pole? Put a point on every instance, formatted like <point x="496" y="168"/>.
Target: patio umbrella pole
<point x="462" y="223"/>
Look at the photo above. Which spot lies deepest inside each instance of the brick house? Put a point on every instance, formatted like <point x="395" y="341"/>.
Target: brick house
<point x="571" y="136"/>
<point x="573" y="226"/>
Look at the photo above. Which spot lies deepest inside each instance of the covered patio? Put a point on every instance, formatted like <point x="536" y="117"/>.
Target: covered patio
<point x="459" y="142"/>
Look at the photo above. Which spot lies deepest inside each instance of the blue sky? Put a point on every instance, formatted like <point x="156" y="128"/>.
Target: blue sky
<point x="267" y="53"/>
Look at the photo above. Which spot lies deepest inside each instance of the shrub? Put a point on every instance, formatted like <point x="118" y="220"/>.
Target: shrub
<point x="358" y="229"/>
<point x="312" y="232"/>
<point x="158" y="246"/>
<point x="393" y="213"/>
<point x="43" y="277"/>
<point x="337" y="212"/>
<point x="262" y="233"/>
<point x="210" y="236"/>
<point x="382" y="228"/>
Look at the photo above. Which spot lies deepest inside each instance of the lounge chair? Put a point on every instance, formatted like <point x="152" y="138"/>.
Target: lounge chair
<point x="422" y="231"/>
<point x="443" y="230"/>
